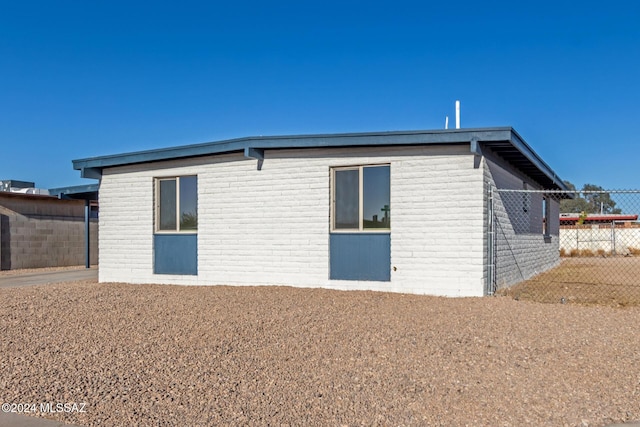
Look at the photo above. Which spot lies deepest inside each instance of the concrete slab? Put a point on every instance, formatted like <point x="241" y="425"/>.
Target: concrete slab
<point x="8" y="419"/>
<point x="44" y="278"/>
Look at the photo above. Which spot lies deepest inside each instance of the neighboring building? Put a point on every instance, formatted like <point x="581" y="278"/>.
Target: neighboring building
<point x="38" y="230"/>
<point x="572" y="219"/>
<point x="24" y="187"/>
<point x="390" y="211"/>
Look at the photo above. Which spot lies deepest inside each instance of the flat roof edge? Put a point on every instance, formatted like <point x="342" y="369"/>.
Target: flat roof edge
<point x="520" y="144"/>
<point x="74" y="189"/>
<point x="296" y="141"/>
<point x="93" y="167"/>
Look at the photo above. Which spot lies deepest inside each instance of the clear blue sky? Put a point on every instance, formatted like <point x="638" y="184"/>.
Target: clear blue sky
<point x="87" y="78"/>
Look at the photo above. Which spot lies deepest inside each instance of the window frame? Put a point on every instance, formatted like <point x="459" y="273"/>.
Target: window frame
<point x="360" y="229"/>
<point x="156" y="203"/>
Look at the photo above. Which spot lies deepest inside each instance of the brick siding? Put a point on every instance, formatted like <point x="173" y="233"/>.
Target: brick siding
<point x="271" y="226"/>
<point x="521" y="249"/>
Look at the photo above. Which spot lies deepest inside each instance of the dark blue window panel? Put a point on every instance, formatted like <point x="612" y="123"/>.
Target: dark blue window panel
<point x="175" y="254"/>
<point x="360" y="256"/>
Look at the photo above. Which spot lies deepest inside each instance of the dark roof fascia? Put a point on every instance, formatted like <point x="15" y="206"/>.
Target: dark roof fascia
<point x="87" y="191"/>
<point x="524" y="148"/>
<point x="293" y="141"/>
<point x="92" y="167"/>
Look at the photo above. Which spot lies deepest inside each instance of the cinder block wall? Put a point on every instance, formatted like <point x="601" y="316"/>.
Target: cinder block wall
<point x="37" y="231"/>
<point x="521" y="249"/>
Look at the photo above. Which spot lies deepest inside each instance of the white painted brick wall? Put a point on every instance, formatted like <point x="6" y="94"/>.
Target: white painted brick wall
<point x="271" y="226"/>
<point x="436" y="241"/>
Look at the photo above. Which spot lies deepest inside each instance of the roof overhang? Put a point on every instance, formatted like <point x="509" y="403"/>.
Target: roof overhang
<point x="503" y="141"/>
<point x="15" y="195"/>
<point x="78" y="192"/>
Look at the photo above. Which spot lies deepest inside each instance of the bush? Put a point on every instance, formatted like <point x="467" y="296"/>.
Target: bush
<point x="573" y="253"/>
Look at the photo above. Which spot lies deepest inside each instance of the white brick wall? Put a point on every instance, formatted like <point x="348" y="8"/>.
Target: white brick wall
<point x="271" y="226"/>
<point x="436" y="221"/>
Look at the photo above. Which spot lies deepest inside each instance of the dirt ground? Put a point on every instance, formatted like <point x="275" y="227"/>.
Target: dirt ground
<point x="613" y="281"/>
<point x="152" y="355"/>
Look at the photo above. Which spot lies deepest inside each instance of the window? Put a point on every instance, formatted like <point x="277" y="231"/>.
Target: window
<point x="177" y="204"/>
<point x="526" y="198"/>
<point x="546" y="216"/>
<point x="361" y="198"/>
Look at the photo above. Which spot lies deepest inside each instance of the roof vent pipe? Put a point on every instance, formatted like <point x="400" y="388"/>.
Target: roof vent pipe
<point x="457" y="114"/>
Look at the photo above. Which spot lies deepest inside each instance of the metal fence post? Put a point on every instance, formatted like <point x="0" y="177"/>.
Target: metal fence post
<point x="490" y="244"/>
<point x="87" y="232"/>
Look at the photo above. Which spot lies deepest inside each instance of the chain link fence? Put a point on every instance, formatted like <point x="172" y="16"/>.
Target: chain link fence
<point x="565" y="247"/>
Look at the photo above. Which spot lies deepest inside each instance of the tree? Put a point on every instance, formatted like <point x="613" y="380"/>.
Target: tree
<point x="599" y="202"/>
<point x="575" y="205"/>
<point x="595" y="200"/>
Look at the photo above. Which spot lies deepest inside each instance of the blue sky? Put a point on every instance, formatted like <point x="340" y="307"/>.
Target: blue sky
<point x="81" y="79"/>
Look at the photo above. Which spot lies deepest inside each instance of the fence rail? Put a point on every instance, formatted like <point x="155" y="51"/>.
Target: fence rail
<point x="592" y="256"/>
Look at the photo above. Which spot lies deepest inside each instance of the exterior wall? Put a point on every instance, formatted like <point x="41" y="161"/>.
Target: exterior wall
<point x="38" y="231"/>
<point x="603" y="238"/>
<point x="271" y="226"/>
<point x="521" y="250"/>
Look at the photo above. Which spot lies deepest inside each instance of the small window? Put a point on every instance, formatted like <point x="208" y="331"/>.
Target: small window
<point x="526" y="198"/>
<point x="361" y="198"/>
<point x="177" y="204"/>
<point x="546" y="215"/>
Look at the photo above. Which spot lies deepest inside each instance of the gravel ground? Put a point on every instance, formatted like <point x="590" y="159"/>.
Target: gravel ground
<point x="153" y="355"/>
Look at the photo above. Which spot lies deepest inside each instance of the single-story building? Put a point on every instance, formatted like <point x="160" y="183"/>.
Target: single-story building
<point x="573" y="219"/>
<point x="599" y="234"/>
<point x="402" y="211"/>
